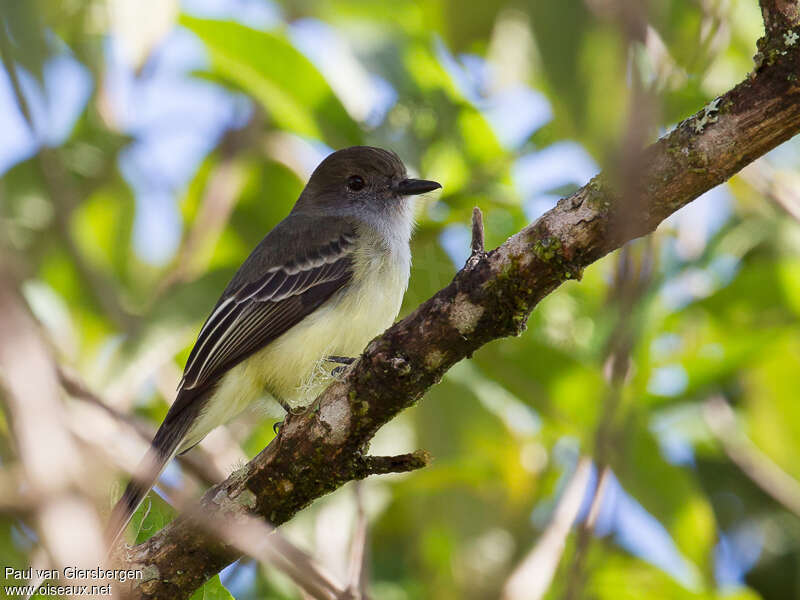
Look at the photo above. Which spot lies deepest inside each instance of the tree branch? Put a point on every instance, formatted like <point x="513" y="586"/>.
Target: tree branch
<point x="320" y="450"/>
<point x="779" y="15"/>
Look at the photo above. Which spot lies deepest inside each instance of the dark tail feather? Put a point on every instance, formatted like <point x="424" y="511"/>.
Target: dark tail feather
<point x="162" y="449"/>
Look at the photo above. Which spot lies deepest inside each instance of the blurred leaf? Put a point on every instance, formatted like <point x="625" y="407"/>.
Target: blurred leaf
<point x="102" y="227"/>
<point x="24" y="35"/>
<point x="556" y="33"/>
<point x="622" y="577"/>
<point x="669" y="492"/>
<point x="266" y="65"/>
<point x="770" y="401"/>
<point x="467" y="25"/>
<point x="151" y="517"/>
<point x="269" y="193"/>
<point x="14" y="544"/>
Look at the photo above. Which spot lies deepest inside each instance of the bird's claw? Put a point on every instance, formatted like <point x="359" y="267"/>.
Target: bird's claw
<point x="337" y="372"/>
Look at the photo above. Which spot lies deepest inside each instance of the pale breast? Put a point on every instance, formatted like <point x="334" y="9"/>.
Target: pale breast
<point x="291" y="367"/>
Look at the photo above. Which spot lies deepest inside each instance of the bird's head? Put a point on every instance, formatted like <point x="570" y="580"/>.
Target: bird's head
<point x="361" y="179"/>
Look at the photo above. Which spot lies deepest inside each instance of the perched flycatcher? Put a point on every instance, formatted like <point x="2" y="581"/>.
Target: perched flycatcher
<point x="320" y="285"/>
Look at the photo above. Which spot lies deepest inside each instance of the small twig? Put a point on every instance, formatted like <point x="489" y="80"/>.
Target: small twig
<point x="761" y="470"/>
<point x="293" y="561"/>
<point x="597" y="501"/>
<point x="66" y="520"/>
<point x="531" y="579"/>
<point x="575" y="580"/>
<point x="631" y="281"/>
<point x="198" y="462"/>
<point x="76" y="388"/>
<point x="383" y="465"/>
<point x="768" y="181"/>
<point x="358" y="550"/>
<point x="477" y="234"/>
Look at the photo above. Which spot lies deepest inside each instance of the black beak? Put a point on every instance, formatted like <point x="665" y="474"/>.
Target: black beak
<point x="412" y="187"/>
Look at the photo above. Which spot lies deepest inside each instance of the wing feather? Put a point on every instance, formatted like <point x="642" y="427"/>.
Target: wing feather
<point x="259" y="311"/>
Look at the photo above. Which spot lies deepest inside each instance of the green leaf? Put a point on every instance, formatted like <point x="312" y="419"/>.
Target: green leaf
<point x="286" y="83"/>
<point x="212" y="590"/>
<point x="25" y="38"/>
<point x="102" y="227"/>
<point x="622" y="577"/>
<point x="670" y="493"/>
<point x="153" y="514"/>
<point x="770" y="403"/>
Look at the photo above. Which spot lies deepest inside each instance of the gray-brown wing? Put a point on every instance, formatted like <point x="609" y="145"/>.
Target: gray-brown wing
<point x="256" y="313"/>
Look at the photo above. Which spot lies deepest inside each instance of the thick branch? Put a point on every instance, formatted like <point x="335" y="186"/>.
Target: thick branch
<point x="490" y="298"/>
<point x="779" y="16"/>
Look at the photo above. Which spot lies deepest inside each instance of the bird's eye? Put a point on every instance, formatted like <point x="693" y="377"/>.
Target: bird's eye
<point x="355" y="183"/>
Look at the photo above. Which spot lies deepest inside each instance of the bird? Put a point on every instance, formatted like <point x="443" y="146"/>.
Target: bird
<point x="318" y="287"/>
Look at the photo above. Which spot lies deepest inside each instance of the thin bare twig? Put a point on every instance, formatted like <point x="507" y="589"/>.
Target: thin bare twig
<point x="597" y="500"/>
<point x="782" y="189"/>
<point x="477" y="233"/>
<point x="356" y="580"/>
<point x="54" y="468"/>
<point x="631" y="280"/>
<point x="774" y="481"/>
<point x="199" y="462"/>
<point x="531" y="579"/>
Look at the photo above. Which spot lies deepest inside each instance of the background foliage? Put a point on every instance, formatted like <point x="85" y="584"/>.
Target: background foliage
<point x="167" y="139"/>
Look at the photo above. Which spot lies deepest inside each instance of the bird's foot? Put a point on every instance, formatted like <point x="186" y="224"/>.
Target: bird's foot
<point x="344" y="361"/>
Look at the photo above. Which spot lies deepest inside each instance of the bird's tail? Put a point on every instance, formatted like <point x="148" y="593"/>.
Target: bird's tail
<point x="162" y="449"/>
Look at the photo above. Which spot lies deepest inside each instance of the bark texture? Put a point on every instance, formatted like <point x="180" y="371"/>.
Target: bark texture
<point x="491" y="297"/>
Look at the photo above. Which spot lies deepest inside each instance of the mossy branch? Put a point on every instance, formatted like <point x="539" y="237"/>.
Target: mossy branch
<point x="491" y="297"/>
